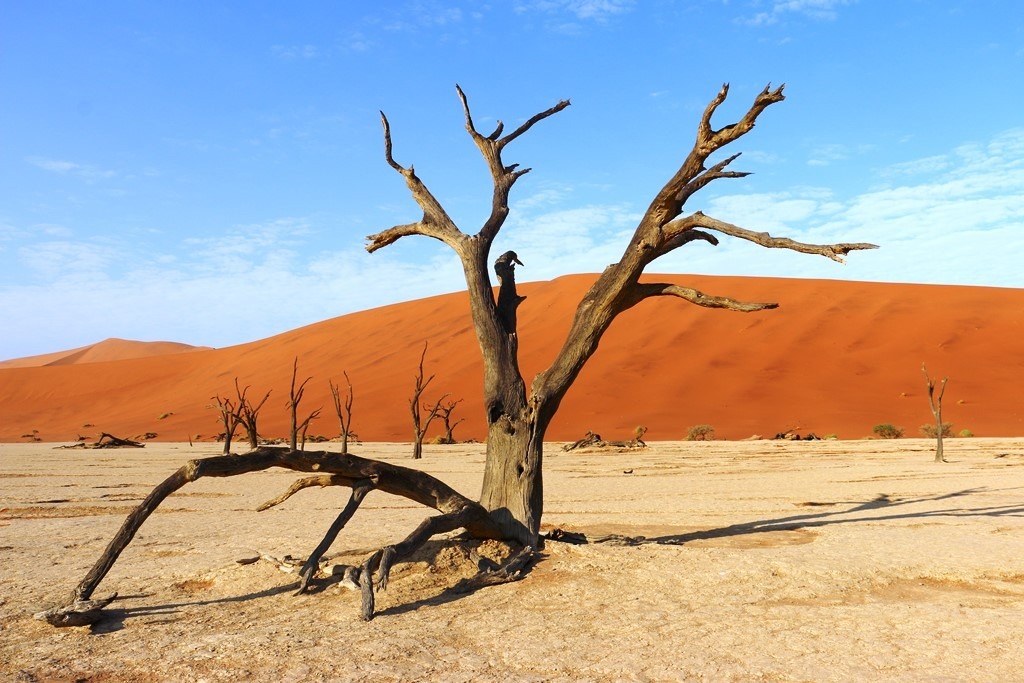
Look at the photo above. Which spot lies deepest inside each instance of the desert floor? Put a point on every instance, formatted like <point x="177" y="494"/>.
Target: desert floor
<point x="765" y="561"/>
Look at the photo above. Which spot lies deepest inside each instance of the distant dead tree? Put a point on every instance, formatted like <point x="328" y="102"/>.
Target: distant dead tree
<point x="419" y="424"/>
<point x="445" y="413"/>
<point x="295" y="395"/>
<point x="248" y="413"/>
<point x="512" y="498"/>
<point x="935" y="403"/>
<point x="343" y="409"/>
<point x="229" y="419"/>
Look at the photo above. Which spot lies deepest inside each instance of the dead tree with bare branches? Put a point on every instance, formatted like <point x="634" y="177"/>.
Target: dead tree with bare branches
<point x="445" y="413"/>
<point x="248" y="414"/>
<point x="935" y="403"/>
<point x="343" y="409"/>
<point x="518" y="417"/>
<point x="295" y="395"/>
<point x="511" y="501"/>
<point x="419" y="423"/>
<point x="229" y="419"/>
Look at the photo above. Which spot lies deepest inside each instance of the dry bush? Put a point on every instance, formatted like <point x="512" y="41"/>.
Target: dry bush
<point x="930" y="431"/>
<point x="887" y="431"/>
<point x="700" y="433"/>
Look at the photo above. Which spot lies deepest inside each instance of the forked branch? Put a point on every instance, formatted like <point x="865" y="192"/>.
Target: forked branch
<point x="435" y="222"/>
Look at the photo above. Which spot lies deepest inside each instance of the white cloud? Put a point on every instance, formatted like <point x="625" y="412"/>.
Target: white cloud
<point x="823" y="10"/>
<point x="584" y="10"/>
<point x="293" y="52"/>
<point x="84" y="171"/>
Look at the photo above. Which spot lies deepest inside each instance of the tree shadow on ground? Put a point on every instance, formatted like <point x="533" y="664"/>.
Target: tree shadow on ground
<point x="114" y="618"/>
<point x="866" y="511"/>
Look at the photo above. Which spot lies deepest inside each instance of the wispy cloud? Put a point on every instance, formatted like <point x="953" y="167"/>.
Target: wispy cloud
<point x="85" y="171"/>
<point x="576" y="12"/>
<point x="294" y="52"/>
<point x="826" y="154"/>
<point x="823" y="10"/>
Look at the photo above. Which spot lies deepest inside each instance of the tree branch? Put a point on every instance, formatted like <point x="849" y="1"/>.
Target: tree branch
<point x="646" y="290"/>
<point x="692" y="175"/>
<point x="435" y="223"/>
<point x="504" y="177"/>
<point x="832" y="251"/>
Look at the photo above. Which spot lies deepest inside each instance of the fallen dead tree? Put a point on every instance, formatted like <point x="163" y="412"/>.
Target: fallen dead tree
<point x="332" y="469"/>
<point x="592" y="440"/>
<point x="111" y="441"/>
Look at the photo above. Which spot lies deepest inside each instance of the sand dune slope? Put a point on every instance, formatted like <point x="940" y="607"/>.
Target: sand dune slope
<point x="106" y="350"/>
<point x="836" y="357"/>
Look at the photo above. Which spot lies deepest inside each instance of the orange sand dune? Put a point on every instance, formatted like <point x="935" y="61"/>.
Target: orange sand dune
<point x="835" y="358"/>
<point x="108" y="349"/>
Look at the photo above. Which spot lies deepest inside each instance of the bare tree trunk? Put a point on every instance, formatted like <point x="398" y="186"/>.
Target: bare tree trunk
<point x="419" y="425"/>
<point x="248" y="414"/>
<point x="343" y="410"/>
<point x="513" y="485"/>
<point x="229" y="418"/>
<point x="445" y="413"/>
<point x="935" y="403"/>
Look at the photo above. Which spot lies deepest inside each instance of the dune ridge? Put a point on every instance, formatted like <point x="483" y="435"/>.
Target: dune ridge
<point x="106" y="350"/>
<point x="837" y="357"/>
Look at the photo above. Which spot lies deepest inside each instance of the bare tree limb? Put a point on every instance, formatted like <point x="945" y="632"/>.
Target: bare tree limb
<point x="669" y="201"/>
<point x="503" y="176"/>
<point x="832" y="251"/>
<point x="646" y="290"/>
<point x="435" y="222"/>
<point x="309" y="569"/>
<point x="321" y="480"/>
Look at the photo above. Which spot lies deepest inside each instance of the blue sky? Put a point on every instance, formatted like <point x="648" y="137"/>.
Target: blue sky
<point x="207" y="172"/>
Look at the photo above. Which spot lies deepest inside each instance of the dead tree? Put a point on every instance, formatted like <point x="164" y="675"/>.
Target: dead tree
<point x="343" y="409"/>
<point x="419" y="424"/>
<point x="935" y="403"/>
<point x="248" y="414"/>
<point x="445" y="413"/>
<point x="229" y="419"/>
<point x="518" y="417"/>
<point x="294" y="398"/>
<point x="511" y="502"/>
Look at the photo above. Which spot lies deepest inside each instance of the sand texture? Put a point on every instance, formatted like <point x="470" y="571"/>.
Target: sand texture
<point x="765" y="561"/>
<point x="835" y="358"/>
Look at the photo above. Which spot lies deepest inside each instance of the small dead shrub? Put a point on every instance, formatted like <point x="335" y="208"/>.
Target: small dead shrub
<point x="930" y="431"/>
<point x="700" y="433"/>
<point x="887" y="431"/>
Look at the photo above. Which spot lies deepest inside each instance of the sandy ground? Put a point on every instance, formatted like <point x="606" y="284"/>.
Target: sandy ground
<point x="825" y="561"/>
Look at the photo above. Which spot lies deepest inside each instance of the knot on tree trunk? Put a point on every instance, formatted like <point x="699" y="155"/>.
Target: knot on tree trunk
<point x="508" y="298"/>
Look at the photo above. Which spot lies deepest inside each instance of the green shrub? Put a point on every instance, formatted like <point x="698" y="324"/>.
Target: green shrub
<point x="929" y="430"/>
<point x="966" y="433"/>
<point x="887" y="431"/>
<point x="831" y="437"/>
<point x="700" y="433"/>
